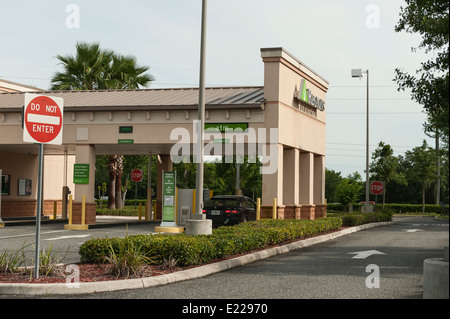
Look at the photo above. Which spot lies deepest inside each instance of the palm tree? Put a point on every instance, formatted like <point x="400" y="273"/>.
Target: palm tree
<point x="124" y="73"/>
<point x="85" y="71"/>
<point x="95" y="69"/>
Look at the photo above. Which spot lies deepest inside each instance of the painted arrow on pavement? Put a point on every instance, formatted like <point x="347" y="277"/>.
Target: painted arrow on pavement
<point x="413" y="230"/>
<point x="366" y="253"/>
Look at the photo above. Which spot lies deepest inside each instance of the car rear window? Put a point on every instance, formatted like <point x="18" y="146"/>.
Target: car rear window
<point x="222" y="202"/>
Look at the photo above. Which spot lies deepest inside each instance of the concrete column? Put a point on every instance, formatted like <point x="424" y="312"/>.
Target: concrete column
<point x="291" y="176"/>
<point x="306" y="178"/>
<point x="319" y="180"/>
<point x="85" y="154"/>
<point x="306" y="196"/>
<point x="164" y="165"/>
<point x="272" y="184"/>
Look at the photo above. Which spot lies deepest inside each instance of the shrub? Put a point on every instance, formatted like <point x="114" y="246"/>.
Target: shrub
<point x="48" y="261"/>
<point x="11" y="261"/>
<point x="224" y="241"/>
<point x="127" y="258"/>
<point x="354" y="219"/>
<point x="16" y="262"/>
<point x="126" y="211"/>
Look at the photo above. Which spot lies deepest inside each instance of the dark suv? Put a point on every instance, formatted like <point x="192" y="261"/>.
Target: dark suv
<point x="229" y="209"/>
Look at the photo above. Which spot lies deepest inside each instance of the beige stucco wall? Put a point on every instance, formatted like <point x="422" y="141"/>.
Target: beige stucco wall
<point x="19" y="166"/>
<point x="55" y="172"/>
<point x="301" y="128"/>
<point x="296" y="128"/>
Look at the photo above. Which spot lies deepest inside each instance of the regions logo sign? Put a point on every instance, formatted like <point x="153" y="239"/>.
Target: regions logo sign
<point x="305" y="95"/>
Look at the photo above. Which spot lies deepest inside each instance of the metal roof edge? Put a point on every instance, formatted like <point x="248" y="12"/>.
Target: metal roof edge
<point x="141" y="90"/>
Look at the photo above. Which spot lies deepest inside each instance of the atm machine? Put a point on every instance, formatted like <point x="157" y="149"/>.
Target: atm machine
<point x="185" y="204"/>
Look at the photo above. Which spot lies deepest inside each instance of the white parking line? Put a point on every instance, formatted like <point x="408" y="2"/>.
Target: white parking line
<point x="67" y="237"/>
<point x="34" y="234"/>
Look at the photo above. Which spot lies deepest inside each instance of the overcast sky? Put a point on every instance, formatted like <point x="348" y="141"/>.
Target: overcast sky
<point x="331" y="37"/>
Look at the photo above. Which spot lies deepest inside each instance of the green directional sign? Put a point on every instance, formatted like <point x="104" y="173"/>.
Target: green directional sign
<point x="226" y="127"/>
<point x="125" y="129"/>
<point x="125" y="141"/>
<point x="169" y="182"/>
<point x="81" y="173"/>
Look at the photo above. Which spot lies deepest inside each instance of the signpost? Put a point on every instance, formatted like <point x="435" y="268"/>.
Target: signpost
<point x="136" y="177"/>
<point x="43" y="119"/>
<point x="81" y="173"/>
<point x="168" y="223"/>
<point x="43" y="124"/>
<point x="376" y="188"/>
<point x="168" y="213"/>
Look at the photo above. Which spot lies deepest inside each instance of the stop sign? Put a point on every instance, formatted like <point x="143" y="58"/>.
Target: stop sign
<point x="43" y="119"/>
<point x="376" y="188"/>
<point x="136" y="175"/>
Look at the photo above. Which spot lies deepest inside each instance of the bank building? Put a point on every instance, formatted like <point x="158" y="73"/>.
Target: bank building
<point x="283" y="121"/>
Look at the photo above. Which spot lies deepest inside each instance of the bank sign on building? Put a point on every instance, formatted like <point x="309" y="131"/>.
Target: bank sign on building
<point x="282" y="121"/>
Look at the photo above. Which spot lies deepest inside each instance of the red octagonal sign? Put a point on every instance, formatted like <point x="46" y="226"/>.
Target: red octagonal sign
<point x="136" y="175"/>
<point x="376" y="188"/>
<point x="43" y="119"/>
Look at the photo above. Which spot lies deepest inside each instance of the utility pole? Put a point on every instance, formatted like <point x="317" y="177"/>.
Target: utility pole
<point x="201" y="116"/>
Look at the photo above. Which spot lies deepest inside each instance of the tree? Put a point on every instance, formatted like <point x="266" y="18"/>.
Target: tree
<point x="384" y="167"/>
<point x="348" y="192"/>
<point x="423" y="168"/>
<point x="430" y="85"/>
<point x="332" y="180"/>
<point x="95" y="69"/>
<point x="251" y="178"/>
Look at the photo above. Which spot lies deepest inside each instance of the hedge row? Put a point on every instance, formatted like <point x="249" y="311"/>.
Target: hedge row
<point x="224" y="242"/>
<point x="395" y="208"/>
<point x="126" y="211"/>
<point x="354" y="219"/>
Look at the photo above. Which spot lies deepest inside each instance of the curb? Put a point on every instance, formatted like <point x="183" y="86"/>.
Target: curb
<point x="193" y="273"/>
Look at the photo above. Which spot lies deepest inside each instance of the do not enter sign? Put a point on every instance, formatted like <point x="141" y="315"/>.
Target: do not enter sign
<point x="43" y="119"/>
<point x="136" y="175"/>
<point x="376" y="188"/>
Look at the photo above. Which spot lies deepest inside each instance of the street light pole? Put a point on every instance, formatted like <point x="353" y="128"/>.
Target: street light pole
<point x="367" y="146"/>
<point x="357" y="73"/>
<point x="201" y="116"/>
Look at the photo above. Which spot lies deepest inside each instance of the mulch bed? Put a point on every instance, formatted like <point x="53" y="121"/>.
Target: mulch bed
<point x="87" y="273"/>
